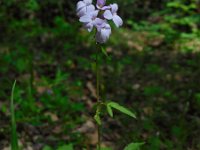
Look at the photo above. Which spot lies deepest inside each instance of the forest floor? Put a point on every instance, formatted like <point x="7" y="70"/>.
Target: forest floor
<point x="152" y="78"/>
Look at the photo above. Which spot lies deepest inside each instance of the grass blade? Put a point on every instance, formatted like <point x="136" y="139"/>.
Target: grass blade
<point x="14" y="141"/>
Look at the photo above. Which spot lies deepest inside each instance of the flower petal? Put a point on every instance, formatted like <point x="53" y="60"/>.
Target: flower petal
<point x="103" y="35"/>
<point x="99" y="23"/>
<point x="108" y="15"/>
<point x="114" y="8"/>
<point x="87" y="2"/>
<point x="89" y="26"/>
<point x="108" y="28"/>
<point x="90" y="8"/>
<point x="80" y="5"/>
<point x="94" y="13"/>
<point x="105" y="8"/>
<point x="98" y="37"/>
<point x="101" y="3"/>
<point x="85" y="19"/>
<point x="117" y="20"/>
<point x="81" y="12"/>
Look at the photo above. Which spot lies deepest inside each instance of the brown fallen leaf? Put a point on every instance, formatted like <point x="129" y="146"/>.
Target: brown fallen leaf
<point x="87" y="127"/>
<point x="53" y="116"/>
<point x="91" y="88"/>
<point x="90" y="131"/>
<point x="57" y="129"/>
<point x="156" y="41"/>
<point x="136" y="46"/>
<point x="148" y="110"/>
<point x="43" y="89"/>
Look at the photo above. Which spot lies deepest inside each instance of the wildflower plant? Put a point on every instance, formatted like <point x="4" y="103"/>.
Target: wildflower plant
<point x="97" y="17"/>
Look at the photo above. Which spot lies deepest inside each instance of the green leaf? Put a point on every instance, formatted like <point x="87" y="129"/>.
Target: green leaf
<point x="32" y="5"/>
<point x="104" y="51"/>
<point x="109" y="109"/>
<point x="47" y="148"/>
<point x="66" y="147"/>
<point x="97" y="115"/>
<point x="121" y="108"/>
<point x="97" y="119"/>
<point x="14" y="140"/>
<point x="133" y="146"/>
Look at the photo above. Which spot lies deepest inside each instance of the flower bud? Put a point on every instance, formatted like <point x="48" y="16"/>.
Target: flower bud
<point x="101" y="3"/>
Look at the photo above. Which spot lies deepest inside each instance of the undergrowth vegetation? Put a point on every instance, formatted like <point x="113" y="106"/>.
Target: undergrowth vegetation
<point x="152" y="68"/>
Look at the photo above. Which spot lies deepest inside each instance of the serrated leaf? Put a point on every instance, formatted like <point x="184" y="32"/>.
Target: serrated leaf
<point x="133" y="146"/>
<point x="97" y="119"/>
<point x="109" y="109"/>
<point x="122" y="109"/>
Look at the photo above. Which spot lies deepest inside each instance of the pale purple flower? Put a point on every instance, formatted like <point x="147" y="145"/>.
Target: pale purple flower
<point x="90" y="17"/>
<point x="112" y="15"/>
<point x="101" y="5"/>
<point x="83" y="7"/>
<point x="103" y="32"/>
<point x="89" y="20"/>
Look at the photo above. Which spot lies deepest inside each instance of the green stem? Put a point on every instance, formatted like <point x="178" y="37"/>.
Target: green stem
<point x="97" y="78"/>
<point x="98" y="96"/>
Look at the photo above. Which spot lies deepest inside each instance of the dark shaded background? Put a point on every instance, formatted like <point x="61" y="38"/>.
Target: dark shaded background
<point x="154" y="71"/>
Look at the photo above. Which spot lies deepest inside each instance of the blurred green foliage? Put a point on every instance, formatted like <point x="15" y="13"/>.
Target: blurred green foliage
<point x="154" y="69"/>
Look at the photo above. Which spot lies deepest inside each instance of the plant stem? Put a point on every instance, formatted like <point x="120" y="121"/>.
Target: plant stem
<point x="97" y="78"/>
<point x="98" y="96"/>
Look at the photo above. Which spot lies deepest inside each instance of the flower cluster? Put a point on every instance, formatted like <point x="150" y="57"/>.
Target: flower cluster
<point x="98" y="17"/>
